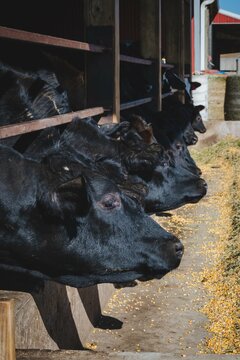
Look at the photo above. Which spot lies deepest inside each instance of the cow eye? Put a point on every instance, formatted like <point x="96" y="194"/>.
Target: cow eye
<point x="110" y="201"/>
<point x="179" y="146"/>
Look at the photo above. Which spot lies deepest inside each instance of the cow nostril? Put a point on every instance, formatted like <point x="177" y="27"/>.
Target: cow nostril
<point x="179" y="249"/>
<point x="204" y="184"/>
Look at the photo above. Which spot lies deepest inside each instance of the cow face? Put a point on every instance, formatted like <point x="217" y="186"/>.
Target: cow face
<point x="173" y="186"/>
<point x="189" y="136"/>
<point x="172" y="81"/>
<point x="183" y="157"/>
<point x="197" y="122"/>
<point x="67" y="223"/>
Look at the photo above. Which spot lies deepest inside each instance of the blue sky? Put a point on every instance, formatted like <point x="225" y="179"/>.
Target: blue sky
<point x="230" y="5"/>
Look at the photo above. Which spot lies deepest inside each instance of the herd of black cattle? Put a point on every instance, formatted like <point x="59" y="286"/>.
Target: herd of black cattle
<point x="75" y="201"/>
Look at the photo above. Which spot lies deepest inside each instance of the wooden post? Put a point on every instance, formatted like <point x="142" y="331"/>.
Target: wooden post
<point x="116" y="63"/>
<point x="181" y="60"/>
<point x="7" y="330"/>
<point x="150" y="30"/>
<point x="159" y="55"/>
<point x="181" y="49"/>
<point x="102" y="70"/>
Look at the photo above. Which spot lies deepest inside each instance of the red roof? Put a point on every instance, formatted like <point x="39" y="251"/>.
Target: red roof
<point x="226" y="17"/>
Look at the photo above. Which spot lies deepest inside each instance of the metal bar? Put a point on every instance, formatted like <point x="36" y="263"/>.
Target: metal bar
<point x="135" y="60"/>
<point x="197" y="45"/>
<point x="190" y="38"/>
<point x="29" y="126"/>
<point x="27" y="36"/>
<point x="135" y="103"/>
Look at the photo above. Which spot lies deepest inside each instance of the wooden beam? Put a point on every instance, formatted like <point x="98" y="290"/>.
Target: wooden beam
<point x="135" y="103"/>
<point x="135" y="60"/>
<point x="167" y="66"/>
<point x="9" y="33"/>
<point x="7" y="330"/>
<point x="29" y="126"/>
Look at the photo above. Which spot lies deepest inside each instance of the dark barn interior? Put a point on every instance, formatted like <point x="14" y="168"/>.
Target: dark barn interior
<point x="225" y="41"/>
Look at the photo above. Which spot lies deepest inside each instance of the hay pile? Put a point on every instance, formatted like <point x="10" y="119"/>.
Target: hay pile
<point x="222" y="281"/>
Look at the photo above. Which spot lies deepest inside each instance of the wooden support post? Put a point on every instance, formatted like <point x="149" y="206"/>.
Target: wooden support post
<point x="159" y="55"/>
<point x="7" y="330"/>
<point x="102" y="70"/>
<point x="181" y="60"/>
<point x="116" y="63"/>
<point x="150" y="31"/>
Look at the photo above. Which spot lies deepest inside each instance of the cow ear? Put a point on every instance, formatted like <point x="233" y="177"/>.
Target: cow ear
<point x="137" y="191"/>
<point x="73" y="197"/>
<point x="43" y="142"/>
<point x="195" y="85"/>
<point x="143" y="128"/>
<point x="143" y="161"/>
<point x="199" y="108"/>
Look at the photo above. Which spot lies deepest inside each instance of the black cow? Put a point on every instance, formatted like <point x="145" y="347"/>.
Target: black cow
<point x="69" y="77"/>
<point x="26" y="96"/>
<point x="173" y="141"/>
<point x="135" y="82"/>
<point x="169" y="184"/>
<point x="172" y="83"/>
<point x="185" y="114"/>
<point x="197" y="121"/>
<point x="173" y="134"/>
<point x="62" y="221"/>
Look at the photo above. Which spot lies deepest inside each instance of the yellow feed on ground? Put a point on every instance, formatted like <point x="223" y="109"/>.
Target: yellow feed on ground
<point x="222" y="281"/>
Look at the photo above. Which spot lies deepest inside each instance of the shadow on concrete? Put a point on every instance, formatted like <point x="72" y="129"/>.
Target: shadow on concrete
<point x="91" y="302"/>
<point x="54" y="307"/>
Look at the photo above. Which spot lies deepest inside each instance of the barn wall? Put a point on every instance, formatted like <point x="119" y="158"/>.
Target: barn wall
<point x="63" y="18"/>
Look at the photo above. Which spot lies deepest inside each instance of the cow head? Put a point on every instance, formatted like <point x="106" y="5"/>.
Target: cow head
<point x="172" y="185"/>
<point x="68" y="223"/>
<point x="197" y="122"/>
